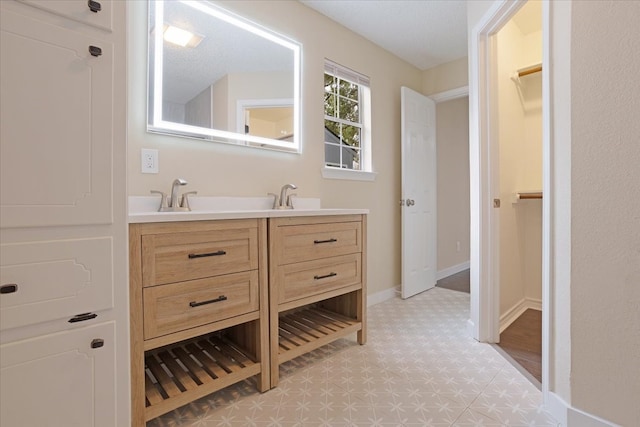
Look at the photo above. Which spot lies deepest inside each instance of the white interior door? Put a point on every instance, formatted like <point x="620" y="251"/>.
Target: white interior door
<point x="418" y="202"/>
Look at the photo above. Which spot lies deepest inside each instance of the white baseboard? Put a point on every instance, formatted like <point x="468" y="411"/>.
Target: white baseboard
<point x="381" y="296"/>
<point x="557" y="407"/>
<point x="516" y="311"/>
<point x="568" y="416"/>
<point x="446" y="272"/>
<point x="471" y="329"/>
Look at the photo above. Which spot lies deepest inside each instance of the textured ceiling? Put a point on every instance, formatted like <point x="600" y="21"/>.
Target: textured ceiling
<point x="225" y="49"/>
<point x="425" y="33"/>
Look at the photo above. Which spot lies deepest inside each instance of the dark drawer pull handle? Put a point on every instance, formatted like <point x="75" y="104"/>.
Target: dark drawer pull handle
<point x="82" y="317"/>
<point x="218" y="253"/>
<point x="325" y="241"/>
<point x="97" y="343"/>
<point x="95" y="51"/>
<point x="211" y="301"/>
<point x="325" y="276"/>
<point x="8" y="289"/>
<point x="94" y="6"/>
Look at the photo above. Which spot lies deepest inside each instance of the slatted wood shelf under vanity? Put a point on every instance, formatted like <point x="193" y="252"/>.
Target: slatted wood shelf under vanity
<point x="180" y="373"/>
<point x="305" y="330"/>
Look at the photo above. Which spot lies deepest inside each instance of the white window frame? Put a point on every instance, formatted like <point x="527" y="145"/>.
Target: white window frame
<point x="365" y="173"/>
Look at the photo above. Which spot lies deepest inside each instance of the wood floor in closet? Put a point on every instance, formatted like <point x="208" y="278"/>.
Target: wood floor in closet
<point x="522" y="340"/>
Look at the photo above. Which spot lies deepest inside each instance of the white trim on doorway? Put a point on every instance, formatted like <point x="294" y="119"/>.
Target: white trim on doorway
<point x="484" y="322"/>
<point x="483" y="178"/>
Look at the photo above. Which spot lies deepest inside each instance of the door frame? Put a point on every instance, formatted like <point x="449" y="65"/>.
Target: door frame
<point x="484" y="322"/>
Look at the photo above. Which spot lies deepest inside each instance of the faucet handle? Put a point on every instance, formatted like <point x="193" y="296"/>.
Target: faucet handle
<point x="275" y="199"/>
<point x="184" y="202"/>
<point x="163" y="198"/>
<point x="290" y="199"/>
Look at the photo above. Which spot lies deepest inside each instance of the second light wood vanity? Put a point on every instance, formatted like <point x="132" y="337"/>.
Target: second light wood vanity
<point x="316" y="283"/>
<point x="218" y="298"/>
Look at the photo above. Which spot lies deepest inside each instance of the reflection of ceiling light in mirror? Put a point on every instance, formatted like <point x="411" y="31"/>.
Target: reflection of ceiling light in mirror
<point x="181" y="37"/>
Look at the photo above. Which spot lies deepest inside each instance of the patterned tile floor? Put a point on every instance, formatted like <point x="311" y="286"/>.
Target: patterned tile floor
<point x="418" y="368"/>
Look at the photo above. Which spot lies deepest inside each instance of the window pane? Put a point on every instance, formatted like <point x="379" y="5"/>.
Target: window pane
<point x="331" y="132"/>
<point x="330" y="105"/>
<point x="350" y="158"/>
<point x="349" y="90"/>
<point x="349" y="110"/>
<point x="351" y="136"/>
<point x="330" y="84"/>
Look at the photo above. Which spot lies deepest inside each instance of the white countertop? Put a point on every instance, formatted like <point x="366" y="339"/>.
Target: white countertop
<point x="143" y="209"/>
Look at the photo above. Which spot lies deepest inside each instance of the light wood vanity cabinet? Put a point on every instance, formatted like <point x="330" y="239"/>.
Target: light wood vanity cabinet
<point x="215" y="292"/>
<point x="317" y="283"/>
<point x="199" y="311"/>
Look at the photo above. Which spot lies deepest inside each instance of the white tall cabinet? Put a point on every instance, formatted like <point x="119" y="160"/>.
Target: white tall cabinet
<point x="64" y="346"/>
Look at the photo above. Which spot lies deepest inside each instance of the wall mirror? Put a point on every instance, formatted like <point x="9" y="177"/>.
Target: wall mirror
<point x="216" y="76"/>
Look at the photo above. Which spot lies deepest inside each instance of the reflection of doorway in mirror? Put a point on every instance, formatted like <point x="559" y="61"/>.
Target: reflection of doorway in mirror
<point x="272" y="118"/>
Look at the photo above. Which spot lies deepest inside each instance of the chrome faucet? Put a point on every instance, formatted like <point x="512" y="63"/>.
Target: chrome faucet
<point x="172" y="204"/>
<point x="285" y="201"/>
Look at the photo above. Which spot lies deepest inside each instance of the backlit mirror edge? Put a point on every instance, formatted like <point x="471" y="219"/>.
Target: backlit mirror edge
<point x="160" y="126"/>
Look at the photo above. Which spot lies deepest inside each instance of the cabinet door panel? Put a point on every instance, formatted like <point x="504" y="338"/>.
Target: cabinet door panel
<point x="78" y="11"/>
<point x="55" y="279"/>
<point x="60" y="380"/>
<point x="56" y="137"/>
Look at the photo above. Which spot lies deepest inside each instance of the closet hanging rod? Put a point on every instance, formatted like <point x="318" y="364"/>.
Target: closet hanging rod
<point x="531" y="195"/>
<point x="530" y="70"/>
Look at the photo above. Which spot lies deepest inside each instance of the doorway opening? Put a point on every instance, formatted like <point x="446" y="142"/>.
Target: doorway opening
<point x="493" y="303"/>
<point x="517" y="90"/>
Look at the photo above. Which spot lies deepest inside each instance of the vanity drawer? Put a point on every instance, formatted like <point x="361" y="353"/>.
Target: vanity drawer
<point x="314" y="241"/>
<point x="310" y="278"/>
<point x="177" y="257"/>
<point x="179" y="306"/>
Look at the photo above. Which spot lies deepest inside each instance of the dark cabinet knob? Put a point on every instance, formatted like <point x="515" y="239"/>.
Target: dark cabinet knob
<point x="95" y="51"/>
<point x="94" y="6"/>
<point x="8" y="289"/>
<point x="97" y="343"/>
<point x="82" y="317"/>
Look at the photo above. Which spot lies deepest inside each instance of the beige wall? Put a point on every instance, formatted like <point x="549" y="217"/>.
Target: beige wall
<point x="452" y="136"/>
<point x="450" y="75"/>
<point x="605" y="206"/>
<point x="520" y="141"/>
<point x="224" y="170"/>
